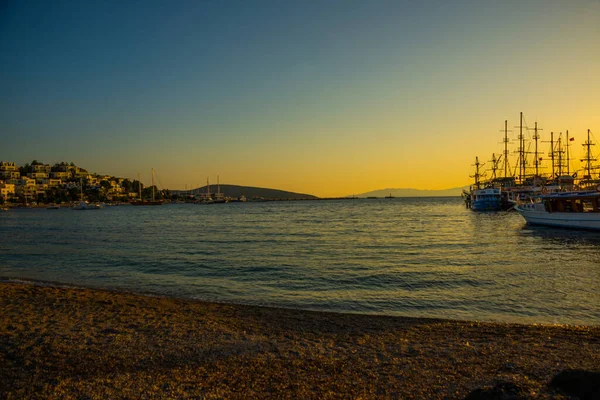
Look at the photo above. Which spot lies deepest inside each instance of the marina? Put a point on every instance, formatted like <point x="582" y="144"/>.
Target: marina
<point x="552" y="199"/>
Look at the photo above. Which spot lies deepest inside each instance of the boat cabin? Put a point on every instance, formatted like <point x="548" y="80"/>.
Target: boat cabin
<point x="583" y="203"/>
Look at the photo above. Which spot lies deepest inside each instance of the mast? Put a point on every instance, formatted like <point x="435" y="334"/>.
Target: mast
<point x="476" y="176"/>
<point x="537" y="160"/>
<point x="207" y="189"/>
<point x="559" y="146"/>
<point x="552" y="152"/>
<point x="495" y="162"/>
<point x="567" y="146"/>
<point x="505" y="148"/>
<point x="218" y="187"/>
<point x="521" y="150"/>
<point x="140" y="186"/>
<point x="588" y="158"/>
<point x="152" y="184"/>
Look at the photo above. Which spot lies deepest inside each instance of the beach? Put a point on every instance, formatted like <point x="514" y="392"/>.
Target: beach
<point x="66" y="342"/>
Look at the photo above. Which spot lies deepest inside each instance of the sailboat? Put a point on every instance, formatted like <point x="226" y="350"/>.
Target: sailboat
<point x="206" y="198"/>
<point x="219" y="197"/>
<point x="142" y="202"/>
<point x="84" y="205"/>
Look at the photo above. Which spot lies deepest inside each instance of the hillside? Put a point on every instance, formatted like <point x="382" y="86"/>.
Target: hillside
<point x="407" y="192"/>
<point x="251" y="192"/>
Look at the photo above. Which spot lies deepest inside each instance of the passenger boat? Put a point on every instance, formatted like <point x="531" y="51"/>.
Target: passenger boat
<point x="484" y="197"/>
<point x="488" y="199"/>
<point x="576" y="210"/>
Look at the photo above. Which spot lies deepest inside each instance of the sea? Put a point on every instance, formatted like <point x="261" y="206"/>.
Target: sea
<point x="415" y="257"/>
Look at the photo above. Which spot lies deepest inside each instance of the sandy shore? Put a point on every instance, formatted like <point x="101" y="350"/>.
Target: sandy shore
<point x="93" y="344"/>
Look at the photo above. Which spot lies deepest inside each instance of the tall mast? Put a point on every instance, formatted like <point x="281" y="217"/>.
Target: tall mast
<point x="552" y="152"/>
<point x="140" y="186"/>
<point x="522" y="159"/>
<point x="152" y="184"/>
<point x="537" y="160"/>
<point x="521" y="150"/>
<point x="589" y="158"/>
<point x="567" y="146"/>
<point x="207" y="188"/>
<point x="505" y="148"/>
<point x="494" y="166"/>
<point x="476" y="176"/>
<point x="560" y="151"/>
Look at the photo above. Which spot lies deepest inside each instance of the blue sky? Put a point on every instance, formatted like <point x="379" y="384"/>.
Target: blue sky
<point x="281" y="94"/>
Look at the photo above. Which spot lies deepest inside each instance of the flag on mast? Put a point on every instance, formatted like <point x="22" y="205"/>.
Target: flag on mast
<point x="571" y="139"/>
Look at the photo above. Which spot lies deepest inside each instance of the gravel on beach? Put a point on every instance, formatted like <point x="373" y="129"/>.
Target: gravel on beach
<point x="62" y="342"/>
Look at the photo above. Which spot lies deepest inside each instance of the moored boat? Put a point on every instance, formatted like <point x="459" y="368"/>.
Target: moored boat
<point x="148" y="202"/>
<point x="84" y="205"/>
<point x="575" y="210"/>
<point x="488" y="199"/>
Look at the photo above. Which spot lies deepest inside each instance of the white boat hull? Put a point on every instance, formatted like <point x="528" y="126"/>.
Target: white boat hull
<point x="535" y="214"/>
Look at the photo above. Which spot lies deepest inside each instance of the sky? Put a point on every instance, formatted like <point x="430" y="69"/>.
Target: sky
<point x="330" y="98"/>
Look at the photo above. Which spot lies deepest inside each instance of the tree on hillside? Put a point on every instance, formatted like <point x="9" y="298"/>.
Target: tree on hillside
<point x="73" y="194"/>
<point x="127" y="185"/>
<point x="147" y="193"/>
<point x="25" y="169"/>
<point x="136" y="186"/>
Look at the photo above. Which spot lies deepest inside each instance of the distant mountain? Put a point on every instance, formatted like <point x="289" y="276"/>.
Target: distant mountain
<point x="250" y="192"/>
<point x="414" y="192"/>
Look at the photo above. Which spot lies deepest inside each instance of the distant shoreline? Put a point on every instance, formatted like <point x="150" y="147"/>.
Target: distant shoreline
<point x="67" y="205"/>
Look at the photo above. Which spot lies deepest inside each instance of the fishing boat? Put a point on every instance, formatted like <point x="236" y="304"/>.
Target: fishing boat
<point x="142" y="202"/>
<point x="576" y="210"/>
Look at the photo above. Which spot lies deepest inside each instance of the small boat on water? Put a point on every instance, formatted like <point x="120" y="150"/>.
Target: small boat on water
<point x="575" y="210"/>
<point x="84" y="205"/>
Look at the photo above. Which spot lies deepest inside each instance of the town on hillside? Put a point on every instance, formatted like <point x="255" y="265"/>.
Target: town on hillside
<point x="39" y="183"/>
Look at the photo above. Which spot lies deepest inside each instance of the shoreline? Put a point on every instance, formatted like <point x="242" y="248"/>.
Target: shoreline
<point x="95" y="343"/>
<point x="119" y="291"/>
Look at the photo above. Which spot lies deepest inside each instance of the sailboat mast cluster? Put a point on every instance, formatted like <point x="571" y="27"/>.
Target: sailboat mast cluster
<point x="530" y="177"/>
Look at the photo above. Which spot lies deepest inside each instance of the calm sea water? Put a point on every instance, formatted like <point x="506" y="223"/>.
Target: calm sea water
<point x="427" y="257"/>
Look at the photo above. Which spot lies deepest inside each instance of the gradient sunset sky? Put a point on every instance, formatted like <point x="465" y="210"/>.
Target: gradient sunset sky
<point x="329" y="98"/>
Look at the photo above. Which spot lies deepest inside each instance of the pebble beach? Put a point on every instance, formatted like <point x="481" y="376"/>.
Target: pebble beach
<point x="65" y="342"/>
